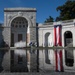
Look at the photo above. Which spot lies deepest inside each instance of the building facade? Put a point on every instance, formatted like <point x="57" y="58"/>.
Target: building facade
<point x="46" y="39"/>
<point x="18" y="22"/>
<point x="20" y="26"/>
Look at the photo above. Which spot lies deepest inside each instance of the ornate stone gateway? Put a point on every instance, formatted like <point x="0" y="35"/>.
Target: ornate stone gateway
<point x="20" y="25"/>
<point x="19" y="18"/>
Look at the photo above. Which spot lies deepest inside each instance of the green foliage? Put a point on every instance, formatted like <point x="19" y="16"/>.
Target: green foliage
<point x="50" y="19"/>
<point x="67" y="11"/>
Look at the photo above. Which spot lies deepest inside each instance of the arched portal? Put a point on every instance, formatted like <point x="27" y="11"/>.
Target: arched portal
<point x="68" y="42"/>
<point x="18" y="30"/>
<point x="48" y="43"/>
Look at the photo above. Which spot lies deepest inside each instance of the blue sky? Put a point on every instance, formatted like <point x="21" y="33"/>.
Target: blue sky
<point x="45" y="8"/>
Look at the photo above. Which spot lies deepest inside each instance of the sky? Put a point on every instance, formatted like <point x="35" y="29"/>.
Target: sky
<point x="45" y="8"/>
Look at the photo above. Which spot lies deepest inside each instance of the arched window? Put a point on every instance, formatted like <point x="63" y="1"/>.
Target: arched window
<point x="19" y="22"/>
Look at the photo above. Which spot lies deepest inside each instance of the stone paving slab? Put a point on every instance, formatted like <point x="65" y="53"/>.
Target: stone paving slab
<point x="51" y="73"/>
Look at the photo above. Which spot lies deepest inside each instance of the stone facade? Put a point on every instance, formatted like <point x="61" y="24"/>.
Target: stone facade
<point x="48" y="28"/>
<point x="45" y="36"/>
<point x="10" y="14"/>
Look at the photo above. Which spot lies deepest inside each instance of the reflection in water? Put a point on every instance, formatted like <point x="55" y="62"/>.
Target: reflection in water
<point x="19" y="58"/>
<point x="2" y="53"/>
<point x="46" y="50"/>
<point x="19" y="61"/>
<point x="1" y="59"/>
<point x="48" y="53"/>
<point x="46" y="57"/>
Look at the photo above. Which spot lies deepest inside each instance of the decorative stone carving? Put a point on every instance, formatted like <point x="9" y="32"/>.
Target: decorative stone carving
<point x="20" y="13"/>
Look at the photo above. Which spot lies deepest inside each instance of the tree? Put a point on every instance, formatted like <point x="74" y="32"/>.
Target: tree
<point x="50" y="19"/>
<point x="57" y="19"/>
<point x="67" y="11"/>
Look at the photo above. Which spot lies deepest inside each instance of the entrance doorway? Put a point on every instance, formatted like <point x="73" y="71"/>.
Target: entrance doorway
<point x="20" y="37"/>
<point x="68" y="42"/>
<point x="18" y="30"/>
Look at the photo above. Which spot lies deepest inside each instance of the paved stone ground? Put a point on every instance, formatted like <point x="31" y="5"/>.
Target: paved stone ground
<point x="42" y="72"/>
<point x="51" y="73"/>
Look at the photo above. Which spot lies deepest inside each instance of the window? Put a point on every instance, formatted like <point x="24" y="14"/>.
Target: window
<point x="20" y="37"/>
<point x="23" y="25"/>
<point x="19" y="22"/>
<point x="20" y="59"/>
<point x="20" y="26"/>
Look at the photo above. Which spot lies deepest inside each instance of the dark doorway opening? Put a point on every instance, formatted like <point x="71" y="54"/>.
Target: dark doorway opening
<point x="20" y="37"/>
<point x="68" y="42"/>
